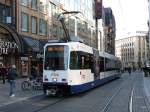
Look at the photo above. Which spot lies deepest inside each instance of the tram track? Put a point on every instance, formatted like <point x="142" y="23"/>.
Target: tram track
<point x="118" y="90"/>
<point x="103" y="103"/>
<point x="62" y="99"/>
<point x="147" y="104"/>
<point x="59" y="101"/>
<point x="49" y="105"/>
<point x="131" y="101"/>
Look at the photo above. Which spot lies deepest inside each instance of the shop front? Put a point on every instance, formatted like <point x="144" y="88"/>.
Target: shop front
<point x="20" y="50"/>
<point x="10" y="47"/>
<point x="32" y="56"/>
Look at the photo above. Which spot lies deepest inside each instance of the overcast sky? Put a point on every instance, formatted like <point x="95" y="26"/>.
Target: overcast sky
<point x="130" y="15"/>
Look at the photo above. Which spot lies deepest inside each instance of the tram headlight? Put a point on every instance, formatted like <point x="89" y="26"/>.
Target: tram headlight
<point x="45" y="78"/>
<point x="54" y="79"/>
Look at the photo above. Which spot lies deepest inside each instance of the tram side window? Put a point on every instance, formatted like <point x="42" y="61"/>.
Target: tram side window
<point x="80" y="60"/>
<point x="88" y="59"/>
<point x="85" y="61"/>
<point x="107" y="65"/>
<point x="110" y="64"/>
<point x="74" y="61"/>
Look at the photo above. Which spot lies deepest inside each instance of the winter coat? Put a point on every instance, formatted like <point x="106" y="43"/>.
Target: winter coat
<point x="12" y="74"/>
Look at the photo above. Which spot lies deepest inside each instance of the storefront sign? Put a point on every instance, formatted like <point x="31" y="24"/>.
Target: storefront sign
<point x="6" y="45"/>
<point x="39" y="56"/>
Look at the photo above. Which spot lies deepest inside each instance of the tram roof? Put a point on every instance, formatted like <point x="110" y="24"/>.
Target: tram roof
<point x="88" y="48"/>
<point x="107" y="55"/>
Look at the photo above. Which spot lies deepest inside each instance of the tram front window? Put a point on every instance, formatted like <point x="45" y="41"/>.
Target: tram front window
<point x="56" y="58"/>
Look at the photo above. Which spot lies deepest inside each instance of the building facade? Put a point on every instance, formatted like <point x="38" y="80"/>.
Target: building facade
<point x="27" y="24"/>
<point x="148" y="36"/>
<point x="132" y="51"/>
<point x="109" y="25"/>
<point x="10" y="44"/>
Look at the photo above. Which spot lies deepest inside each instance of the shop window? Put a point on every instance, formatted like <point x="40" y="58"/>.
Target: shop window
<point x="34" y="25"/>
<point x="24" y="22"/>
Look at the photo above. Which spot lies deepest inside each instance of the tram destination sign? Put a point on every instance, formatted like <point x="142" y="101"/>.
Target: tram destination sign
<point x="6" y="45"/>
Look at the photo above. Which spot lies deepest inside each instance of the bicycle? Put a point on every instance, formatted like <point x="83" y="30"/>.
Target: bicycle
<point x="35" y="84"/>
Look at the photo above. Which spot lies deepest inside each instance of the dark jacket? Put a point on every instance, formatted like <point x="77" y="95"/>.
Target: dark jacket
<point x="34" y="73"/>
<point x="12" y="74"/>
<point x="3" y="71"/>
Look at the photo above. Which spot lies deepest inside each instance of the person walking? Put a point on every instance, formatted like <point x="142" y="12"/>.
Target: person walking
<point x="3" y="73"/>
<point x="129" y="70"/>
<point x="0" y="71"/>
<point x="34" y="72"/>
<point x="12" y="74"/>
<point x="146" y="70"/>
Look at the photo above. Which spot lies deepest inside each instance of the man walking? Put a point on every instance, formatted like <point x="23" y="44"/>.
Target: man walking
<point x="12" y="74"/>
<point x="3" y="73"/>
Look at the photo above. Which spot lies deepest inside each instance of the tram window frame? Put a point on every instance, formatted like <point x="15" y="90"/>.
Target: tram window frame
<point x="110" y="64"/>
<point x="83" y="60"/>
<point x="73" y="56"/>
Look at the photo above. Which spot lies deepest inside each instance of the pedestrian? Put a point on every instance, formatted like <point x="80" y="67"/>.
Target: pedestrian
<point x="12" y="74"/>
<point x="0" y="71"/>
<point x="3" y="73"/>
<point x="146" y="70"/>
<point x="129" y="70"/>
<point x="33" y="72"/>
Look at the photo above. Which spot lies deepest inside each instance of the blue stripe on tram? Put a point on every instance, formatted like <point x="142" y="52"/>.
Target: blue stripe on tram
<point x="83" y="87"/>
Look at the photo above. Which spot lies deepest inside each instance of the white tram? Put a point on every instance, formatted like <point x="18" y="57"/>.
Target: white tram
<point x="74" y="67"/>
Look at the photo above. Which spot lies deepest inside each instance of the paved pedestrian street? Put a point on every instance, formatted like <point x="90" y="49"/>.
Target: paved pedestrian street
<point x="19" y="94"/>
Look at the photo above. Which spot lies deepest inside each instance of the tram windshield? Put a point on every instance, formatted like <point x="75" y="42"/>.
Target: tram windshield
<point x="56" y="58"/>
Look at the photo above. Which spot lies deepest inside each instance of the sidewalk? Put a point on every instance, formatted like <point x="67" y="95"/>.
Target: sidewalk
<point x="147" y="87"/>
<point x="19" y="95"/>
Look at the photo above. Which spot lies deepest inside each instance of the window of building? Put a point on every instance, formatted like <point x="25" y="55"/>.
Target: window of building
<point x="49" y="9"/>
<point x="34" y="25"/>
<point x="42" y="27"/>
<point x="34" y="4"/>
<point x="24" y="22"/>
<point x="42" y="6"/>
<point x="25" y="2"/>
<point x="54" y="11"/>
<point x="5" y="11"/>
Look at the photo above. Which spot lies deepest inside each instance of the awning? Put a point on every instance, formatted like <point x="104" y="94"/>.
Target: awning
<point x="32" y="44"/>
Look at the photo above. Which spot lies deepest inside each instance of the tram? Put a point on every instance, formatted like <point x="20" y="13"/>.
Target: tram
<point x="74" y="67"/>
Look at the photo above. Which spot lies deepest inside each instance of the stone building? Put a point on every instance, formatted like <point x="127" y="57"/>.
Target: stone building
<point x="132" y="51"/>
<point x="26" y="25"/>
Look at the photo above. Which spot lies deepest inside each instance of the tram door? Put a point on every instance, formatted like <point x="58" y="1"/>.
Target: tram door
<point x="96" y="68"/>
